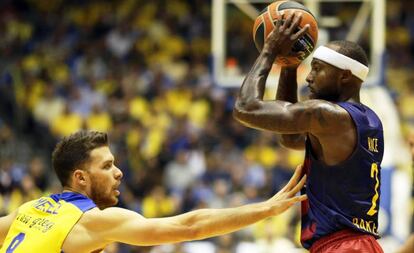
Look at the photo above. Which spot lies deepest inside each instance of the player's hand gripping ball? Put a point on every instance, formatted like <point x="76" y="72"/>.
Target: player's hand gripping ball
<point x="266" y="21"/>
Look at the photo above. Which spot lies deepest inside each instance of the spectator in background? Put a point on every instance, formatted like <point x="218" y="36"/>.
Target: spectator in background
<point x="37" y="171"/>
<point x="26" y="191"/>
<point x="408" y="246"/>
<point x="98" y="119"/>
<point x="10" y="146"/>
<point x="282" y="171"/>
<point x="49" y="107"/>
<point x="411" y="146"/>
<point x="120" y="40"/>
<point x="178" y="174"/>
<point x="220" y="197"/>
<point x="66" y="123"/>
<point x="158" y="203"/>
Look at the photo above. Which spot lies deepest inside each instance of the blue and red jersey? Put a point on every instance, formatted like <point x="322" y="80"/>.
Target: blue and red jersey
<point x="345" y="195"/>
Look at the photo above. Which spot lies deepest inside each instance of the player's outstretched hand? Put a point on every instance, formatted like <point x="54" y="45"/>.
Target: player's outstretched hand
<point x="285" y="198"/>
<point x="284" y="35"/>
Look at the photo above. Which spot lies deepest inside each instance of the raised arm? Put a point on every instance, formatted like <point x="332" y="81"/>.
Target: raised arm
<point x="250" y="109"/>
<point x="312" y="116"/>
<point x="116" y="224"/>
<point x="287" y="91"/>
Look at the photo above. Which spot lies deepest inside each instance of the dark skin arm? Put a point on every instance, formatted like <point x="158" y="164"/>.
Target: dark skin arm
<point x="287" y="91"/>
<point x="320" y="119"/>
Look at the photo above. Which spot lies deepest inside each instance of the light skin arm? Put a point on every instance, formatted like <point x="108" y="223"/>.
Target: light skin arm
<point x="116" y="224"/>
<point x="283" y="117"/>
<point x="5" y="223"/>
<point x="408" y="246"/>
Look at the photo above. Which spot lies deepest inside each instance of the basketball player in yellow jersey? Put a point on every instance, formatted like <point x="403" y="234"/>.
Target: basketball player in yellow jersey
<point x="81" y="219"/>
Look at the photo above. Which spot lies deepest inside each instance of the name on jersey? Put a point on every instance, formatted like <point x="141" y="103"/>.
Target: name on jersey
<point x="368" y="226"/>
<point x="46" y="206"/>
<point x="41" y="224"/>
<point x="373" y="144"/>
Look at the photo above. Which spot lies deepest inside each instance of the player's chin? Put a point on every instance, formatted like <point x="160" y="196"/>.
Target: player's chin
<point x="113" y="201"/>
<point x="110" y="201"/>
<point x="115" y="197"/>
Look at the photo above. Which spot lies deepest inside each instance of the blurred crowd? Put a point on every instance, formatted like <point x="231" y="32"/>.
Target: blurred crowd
<point x="400" y="58"/>
<point x="140" y="70"/>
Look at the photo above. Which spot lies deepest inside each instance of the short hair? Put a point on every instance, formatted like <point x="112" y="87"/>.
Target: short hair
<point x="73" y="152"/>
<point x="352" y="50"/>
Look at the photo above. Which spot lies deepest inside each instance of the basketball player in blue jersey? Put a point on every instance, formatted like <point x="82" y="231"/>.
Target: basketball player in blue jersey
<point x="343" y="138"/>
<point x="81" y="219"/>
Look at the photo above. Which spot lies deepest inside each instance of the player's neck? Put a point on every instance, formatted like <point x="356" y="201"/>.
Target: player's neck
<point x="353" y="98"/>
<point x="70" y="189"/>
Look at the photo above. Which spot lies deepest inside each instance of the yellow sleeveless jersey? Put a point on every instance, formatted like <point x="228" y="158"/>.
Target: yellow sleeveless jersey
<point x="41" y="225"/>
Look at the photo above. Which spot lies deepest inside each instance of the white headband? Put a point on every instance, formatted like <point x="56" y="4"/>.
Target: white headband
<point x="341" y="61"/>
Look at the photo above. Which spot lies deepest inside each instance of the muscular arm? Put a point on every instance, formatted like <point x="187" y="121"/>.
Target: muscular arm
<point x="5" y="223"/>
<point x="137" y="230"/>
<point x="116" y="224"/>
<point x="311" y="116"/>
<point x="283" y="117"/>
<point x="287" y="91"/>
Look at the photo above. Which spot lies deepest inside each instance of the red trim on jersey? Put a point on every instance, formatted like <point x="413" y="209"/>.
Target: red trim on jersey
<point x="307" y="233"/>
<point x="304" y="207"/>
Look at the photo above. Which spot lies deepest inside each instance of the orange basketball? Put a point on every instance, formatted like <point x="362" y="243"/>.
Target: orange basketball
<point x="265" y="23"/>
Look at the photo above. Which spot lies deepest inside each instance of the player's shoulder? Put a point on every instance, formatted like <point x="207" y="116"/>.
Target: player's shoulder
<point x="327" y="118"/>
<point x="324" y="107"/>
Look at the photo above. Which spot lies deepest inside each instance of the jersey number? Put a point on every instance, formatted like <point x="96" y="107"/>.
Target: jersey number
<point x="374" y="175"/>
<point x="16" y="241"/>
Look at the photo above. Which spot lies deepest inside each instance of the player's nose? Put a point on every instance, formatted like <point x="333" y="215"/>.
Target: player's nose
<point x="118" y="173"/>
<point x="309" y="78"/>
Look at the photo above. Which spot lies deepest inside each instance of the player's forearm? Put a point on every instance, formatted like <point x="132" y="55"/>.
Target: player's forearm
<point x="253" y="87"/>
<point x="213" y="222"/>
<point x="288" y="86"/>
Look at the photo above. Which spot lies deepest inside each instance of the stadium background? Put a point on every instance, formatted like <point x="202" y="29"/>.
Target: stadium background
<point x="142" y="70"/>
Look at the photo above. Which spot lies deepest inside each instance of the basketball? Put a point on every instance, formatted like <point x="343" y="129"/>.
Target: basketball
<point x="265" y="23"/>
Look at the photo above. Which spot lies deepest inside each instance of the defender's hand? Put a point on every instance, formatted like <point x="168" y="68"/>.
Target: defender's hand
<point x="286" y="197"/>
<point x="283" y="37"/>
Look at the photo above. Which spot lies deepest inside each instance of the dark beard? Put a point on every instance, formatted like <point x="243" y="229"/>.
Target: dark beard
<point x="327" y="97"/>
<point x="99" y="197"/>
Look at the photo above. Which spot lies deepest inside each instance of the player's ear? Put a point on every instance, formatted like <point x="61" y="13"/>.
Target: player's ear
<point x="79" y="176"/>
<point x="346" y="76"/>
